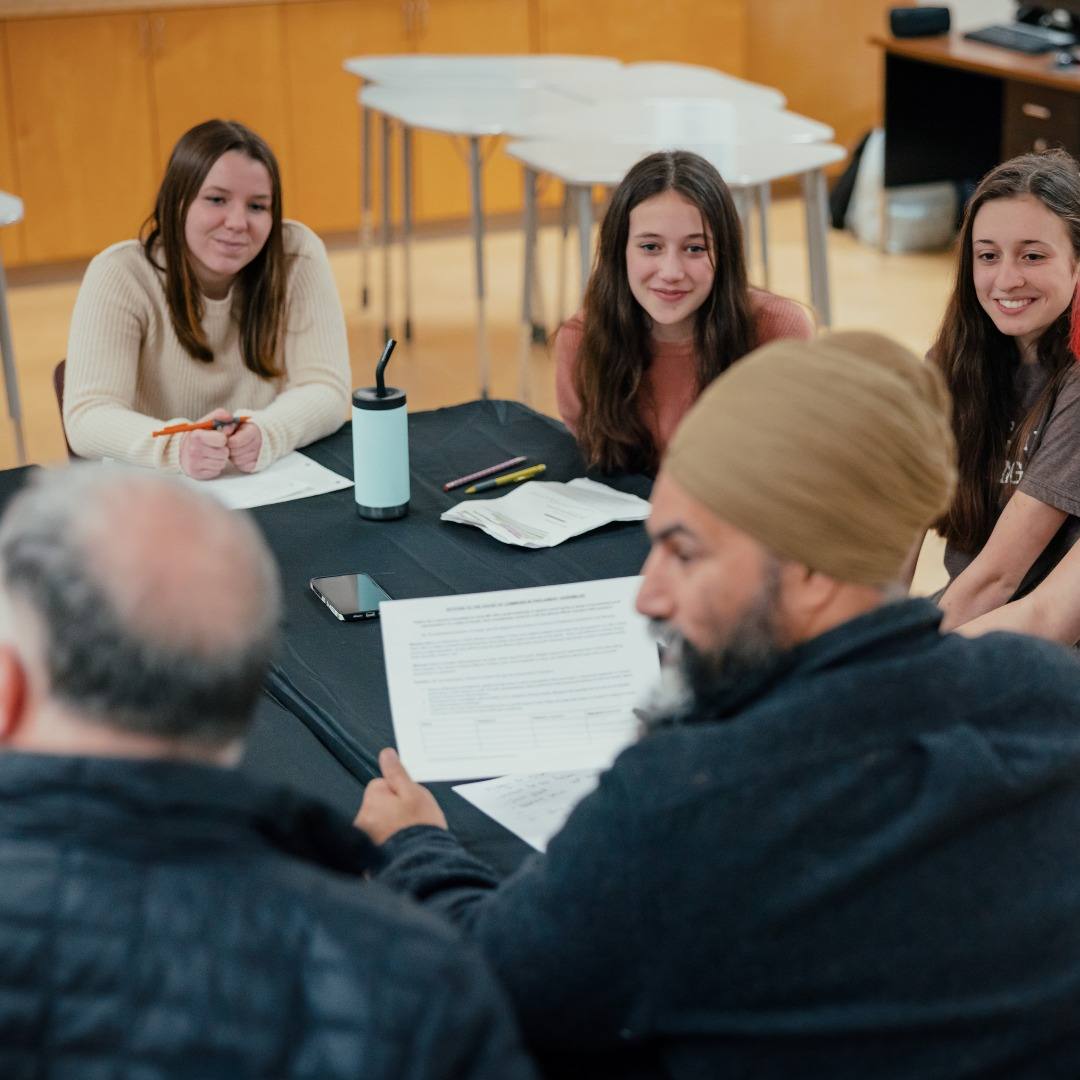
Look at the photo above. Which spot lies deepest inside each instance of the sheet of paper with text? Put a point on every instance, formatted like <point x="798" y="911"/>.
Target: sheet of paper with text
<point x="533" y="807"/>
<point x="518" y="681"/>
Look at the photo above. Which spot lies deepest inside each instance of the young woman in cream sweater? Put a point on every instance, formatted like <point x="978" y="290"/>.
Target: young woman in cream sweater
<point x="221" y="309"/>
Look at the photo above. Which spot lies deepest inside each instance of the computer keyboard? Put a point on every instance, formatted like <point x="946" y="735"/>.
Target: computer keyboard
<point x="1023" y="38"/>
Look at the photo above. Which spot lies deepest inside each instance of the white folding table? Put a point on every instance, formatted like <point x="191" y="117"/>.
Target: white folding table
<point x="432" y="73"/>
<point x="463" y="111"/>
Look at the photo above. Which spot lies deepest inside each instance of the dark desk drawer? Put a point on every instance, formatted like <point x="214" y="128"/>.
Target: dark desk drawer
<point x="1037" y="117"/>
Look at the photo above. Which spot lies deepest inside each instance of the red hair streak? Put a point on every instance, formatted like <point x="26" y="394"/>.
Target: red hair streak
<point x="1074" y="325"/>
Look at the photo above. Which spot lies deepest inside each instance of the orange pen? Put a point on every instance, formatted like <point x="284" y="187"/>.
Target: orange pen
<point x="202" y="425"/>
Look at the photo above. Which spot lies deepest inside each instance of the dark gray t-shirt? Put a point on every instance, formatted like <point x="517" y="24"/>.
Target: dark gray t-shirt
<point x="1049" y="473"/>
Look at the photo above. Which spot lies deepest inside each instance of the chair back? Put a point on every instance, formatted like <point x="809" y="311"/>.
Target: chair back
<point x="58" y="388"/>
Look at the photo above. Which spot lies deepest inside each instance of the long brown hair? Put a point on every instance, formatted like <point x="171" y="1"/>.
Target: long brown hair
<point x="980" y="363"/>
<point x="616" y="347"/>
<point x="260" y="285"/>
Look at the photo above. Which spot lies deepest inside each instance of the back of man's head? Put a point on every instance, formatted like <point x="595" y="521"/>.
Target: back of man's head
<point x="835" y="453"/>
<point x="137" y="604"/>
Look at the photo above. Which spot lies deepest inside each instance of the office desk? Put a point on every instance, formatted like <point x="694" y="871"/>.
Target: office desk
<point x="330" y="674"/>
<point x="955" y="108"/>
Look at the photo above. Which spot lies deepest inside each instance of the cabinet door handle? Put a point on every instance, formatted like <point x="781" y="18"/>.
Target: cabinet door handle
<point x="1036" y="112"/>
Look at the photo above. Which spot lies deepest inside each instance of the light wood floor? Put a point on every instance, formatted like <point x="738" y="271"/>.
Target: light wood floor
<point x="901" y="295"/>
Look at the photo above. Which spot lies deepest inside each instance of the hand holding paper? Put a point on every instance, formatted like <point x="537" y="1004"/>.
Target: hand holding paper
<point x="395" y="801"/>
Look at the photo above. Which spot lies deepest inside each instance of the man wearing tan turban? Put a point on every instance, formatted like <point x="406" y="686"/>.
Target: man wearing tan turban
<point x="846" y="845"/>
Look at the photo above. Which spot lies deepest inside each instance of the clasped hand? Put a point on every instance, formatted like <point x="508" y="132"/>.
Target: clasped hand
<point x="204" y="454"/>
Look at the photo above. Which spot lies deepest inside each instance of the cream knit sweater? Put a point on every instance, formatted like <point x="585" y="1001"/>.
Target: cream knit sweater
<point x="128" y="375"/>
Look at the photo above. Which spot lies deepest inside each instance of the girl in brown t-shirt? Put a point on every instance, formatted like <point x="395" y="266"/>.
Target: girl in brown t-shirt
<point x="1007" y="350"/>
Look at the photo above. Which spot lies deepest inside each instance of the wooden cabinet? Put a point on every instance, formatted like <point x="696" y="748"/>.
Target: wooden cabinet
<point x="323" y="114"/>
<point x="818" y="53"/>
<point x="220" y="62"/>
<point x="712" y="33"/>
<point x="441" y="163"/>
<point x="11" y="237"/>
<point x="84" y="134"/>
<point x="1036" y="117"/>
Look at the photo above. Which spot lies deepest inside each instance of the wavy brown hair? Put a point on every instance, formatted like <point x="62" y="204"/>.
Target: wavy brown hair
<point x="616" y="348"/>
<point x="261" y="284"/>
<point x="980" y="363"/>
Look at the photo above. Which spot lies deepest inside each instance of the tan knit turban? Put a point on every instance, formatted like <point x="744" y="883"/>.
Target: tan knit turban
<point x="836" y="453"/>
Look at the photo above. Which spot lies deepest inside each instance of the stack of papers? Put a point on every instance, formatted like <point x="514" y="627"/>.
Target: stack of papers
<point x="292" y="477"/>
<point x="541" y="514"/>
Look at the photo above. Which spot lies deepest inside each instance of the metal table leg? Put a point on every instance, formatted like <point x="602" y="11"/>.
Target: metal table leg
<point x="583" y="201"/>
<point x="763" y="230"/>
<point x="386" y="146"/>
<point x="531" y="316"/>
<point x="11" y="379"/>
<point x="564" y="226"/>
<point x="406" y="222"/>
<point x="817" y="232"/>
<point x="744" y="208"/>
<point x="476" y="190"/>
<point x="364" y="237"/>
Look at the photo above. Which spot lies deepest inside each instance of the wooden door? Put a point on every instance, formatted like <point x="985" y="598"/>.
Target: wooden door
<point x="84" y="132"/>
<point x="688" y="31"/>
<point x="224" y="62"/>
<point x="323" y="113"/>
<point x="11" y="237"/>
<point x="441" y="163"/>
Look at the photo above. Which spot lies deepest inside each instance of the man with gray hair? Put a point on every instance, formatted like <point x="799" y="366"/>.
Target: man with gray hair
<point x="160" y="914"/>
<point x="847" y="846"/>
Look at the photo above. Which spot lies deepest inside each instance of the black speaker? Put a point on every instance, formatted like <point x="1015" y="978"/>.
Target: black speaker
<point x="919" y="21"/>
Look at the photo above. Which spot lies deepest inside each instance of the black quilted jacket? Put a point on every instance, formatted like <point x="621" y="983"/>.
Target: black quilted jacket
<point x="173" y="920"/>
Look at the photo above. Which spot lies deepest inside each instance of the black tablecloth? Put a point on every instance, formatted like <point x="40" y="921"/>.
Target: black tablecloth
<point x="330" y="674"/>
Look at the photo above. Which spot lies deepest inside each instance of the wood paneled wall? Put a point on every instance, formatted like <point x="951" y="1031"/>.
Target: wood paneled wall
<point x="817" y="53"/>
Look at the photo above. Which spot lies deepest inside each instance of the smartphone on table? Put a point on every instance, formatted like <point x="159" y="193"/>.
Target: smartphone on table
<point x="350" y="596"/>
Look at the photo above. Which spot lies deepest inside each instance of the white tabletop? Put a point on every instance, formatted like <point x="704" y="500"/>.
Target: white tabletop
<point x="527" y="112"/>
<point x="467" y="110"/>
<point x="741" y="165"/>
<point x="667" y="80"/>
<point x="673" y="120"/>
<point x="11" y="209"/>
<point x="530" y="70"/>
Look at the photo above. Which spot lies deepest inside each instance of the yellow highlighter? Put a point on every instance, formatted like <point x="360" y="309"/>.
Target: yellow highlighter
<point x="509" y="478"/>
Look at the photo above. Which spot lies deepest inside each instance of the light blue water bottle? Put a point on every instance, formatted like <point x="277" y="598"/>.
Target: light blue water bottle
<point x="380" y="436"/>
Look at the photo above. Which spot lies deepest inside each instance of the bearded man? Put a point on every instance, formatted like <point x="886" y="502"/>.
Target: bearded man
<point x="846" y="844"/>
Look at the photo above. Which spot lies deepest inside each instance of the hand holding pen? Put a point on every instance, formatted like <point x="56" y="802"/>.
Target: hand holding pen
<point x="207" y="445"/>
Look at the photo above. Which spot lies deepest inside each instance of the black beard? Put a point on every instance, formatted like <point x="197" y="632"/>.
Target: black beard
<point x="693" y="681"/>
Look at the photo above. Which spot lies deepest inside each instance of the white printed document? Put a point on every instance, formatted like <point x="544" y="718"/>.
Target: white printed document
<point x="533" y="807"/>
<point x="293" y="476"/>
<point x="518" y="681"/>
<point x="540" y="513"/>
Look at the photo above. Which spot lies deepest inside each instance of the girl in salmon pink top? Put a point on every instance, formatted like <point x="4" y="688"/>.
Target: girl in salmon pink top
<point x="667" y="309"/>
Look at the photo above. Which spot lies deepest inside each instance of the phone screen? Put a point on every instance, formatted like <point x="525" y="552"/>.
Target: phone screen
<point x="350" y="596"/>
